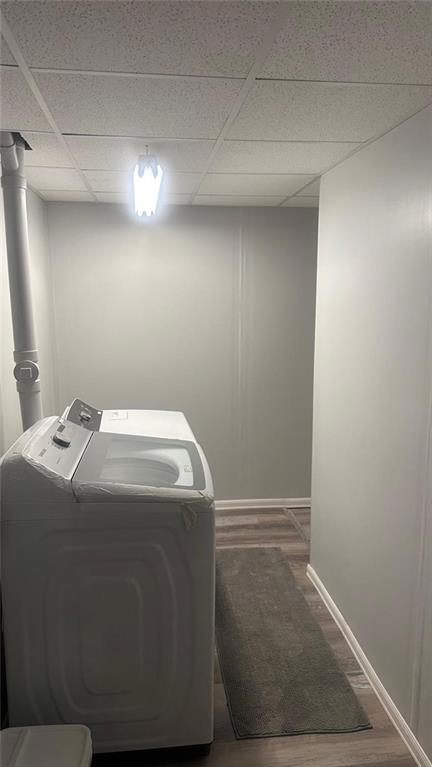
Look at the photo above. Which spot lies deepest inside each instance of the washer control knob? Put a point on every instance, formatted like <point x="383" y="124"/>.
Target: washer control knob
<point x="61" y="440"/>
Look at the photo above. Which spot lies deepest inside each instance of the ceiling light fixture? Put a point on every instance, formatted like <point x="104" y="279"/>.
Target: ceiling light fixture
<point x="147" y="179"/>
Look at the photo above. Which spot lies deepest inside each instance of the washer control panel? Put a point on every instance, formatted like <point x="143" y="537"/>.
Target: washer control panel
<point x="57" y="446"/>
<point x="83" y="415"/>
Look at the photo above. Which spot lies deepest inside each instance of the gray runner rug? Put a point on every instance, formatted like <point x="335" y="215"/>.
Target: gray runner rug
<point x="279" y="672"/>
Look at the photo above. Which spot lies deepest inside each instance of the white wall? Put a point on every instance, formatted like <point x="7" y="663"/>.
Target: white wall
<point x="209" y="311"/>
<point x="371" y="503"/>
<point x="10" y="418"/>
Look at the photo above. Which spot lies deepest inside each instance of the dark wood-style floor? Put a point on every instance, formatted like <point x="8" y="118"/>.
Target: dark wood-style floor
<point x="380" y="747"/>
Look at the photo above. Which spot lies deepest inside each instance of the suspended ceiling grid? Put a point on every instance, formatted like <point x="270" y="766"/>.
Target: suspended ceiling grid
<point x="245" y="103"/>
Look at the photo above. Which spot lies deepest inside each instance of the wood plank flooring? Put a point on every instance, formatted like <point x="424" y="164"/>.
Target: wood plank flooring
<point x="380" y="747"/>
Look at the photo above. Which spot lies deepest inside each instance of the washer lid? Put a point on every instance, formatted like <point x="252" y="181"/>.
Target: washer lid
<point x="166" y="424"/>
<point x="130" y="465"/>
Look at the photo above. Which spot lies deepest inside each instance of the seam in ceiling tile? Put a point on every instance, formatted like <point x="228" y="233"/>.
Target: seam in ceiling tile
<point x="121" y="137"/>
<point x="168" y="172"/>
<point x="227" y="194"/>
<point x="175" y="139"/>
<point x="335" y="82"/>
<point x="177" y="76"/>
<point x="258" y="173"/>
<point x="118" y="137"/>
<point x="261" y="56"/>
<point x="134" y="75"/>
<point x="291" y="141"/>
<point x="25" y="71"/>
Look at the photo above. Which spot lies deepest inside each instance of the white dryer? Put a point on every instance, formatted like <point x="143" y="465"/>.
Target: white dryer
<point x="108" y="580"/>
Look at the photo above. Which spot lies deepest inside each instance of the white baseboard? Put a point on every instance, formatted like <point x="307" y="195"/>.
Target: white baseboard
<point x="265" y="503"/>
<point x="388" y="704"/>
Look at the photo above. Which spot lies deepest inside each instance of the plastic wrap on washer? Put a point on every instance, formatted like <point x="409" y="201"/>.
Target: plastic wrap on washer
<point x="40" y="427"/>
<point x="113" y="491"/>
<point x="14" y="468"/>
<point x="62" y="483"/>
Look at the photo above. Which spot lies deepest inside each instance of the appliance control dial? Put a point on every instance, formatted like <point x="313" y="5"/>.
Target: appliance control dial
<point x="61" y="439"/>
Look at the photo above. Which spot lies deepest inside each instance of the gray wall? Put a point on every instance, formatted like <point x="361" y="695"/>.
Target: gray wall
<point x="209" y="311"/>
<point x="10" y="418"/>
<point x="371" y="504"/>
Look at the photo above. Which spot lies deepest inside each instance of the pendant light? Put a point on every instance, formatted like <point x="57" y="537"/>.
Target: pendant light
<point x="147" y="179"/>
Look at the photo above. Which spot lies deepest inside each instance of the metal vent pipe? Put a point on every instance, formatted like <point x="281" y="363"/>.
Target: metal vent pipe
<point x="14" y="185"/>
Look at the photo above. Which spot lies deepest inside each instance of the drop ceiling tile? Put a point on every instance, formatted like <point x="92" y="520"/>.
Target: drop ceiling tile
<point x="63" y="179"/>
<point x="121" y="154"/>
<point x="312" y="190"/>
<point x="301" y="202"/>
<point x="354" y="41"/>
<point x="279" y="156"/>
<point x="116" y="197"/>
<point x="284" y="111"/>
<point x="5" y="54"/>
<point x="198" y="38"/>
<point x="119" y="182"/>
<point x="19" y="109"/>
<point x="108" y="181"/>
<point x="138" y="106"/>
<point x="181" y="183"/>
<point x="46" y="151"/>
<point x="124" y="199"/>
<point x="66" y="196"/>
<point x="246" y="184"/>
<point x="234" y="201"/>
<point x="176" y="199"/>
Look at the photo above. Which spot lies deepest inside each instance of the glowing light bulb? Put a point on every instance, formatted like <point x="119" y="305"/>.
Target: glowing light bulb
<point x="147" y="179"/>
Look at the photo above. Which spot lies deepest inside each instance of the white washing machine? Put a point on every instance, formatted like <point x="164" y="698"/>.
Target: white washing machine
<point x="108" y="578"/>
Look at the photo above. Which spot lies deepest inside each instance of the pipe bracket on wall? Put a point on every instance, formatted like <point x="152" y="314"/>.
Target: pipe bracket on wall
<point x="26" y="372"/>
<point x="13" y="181"/>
